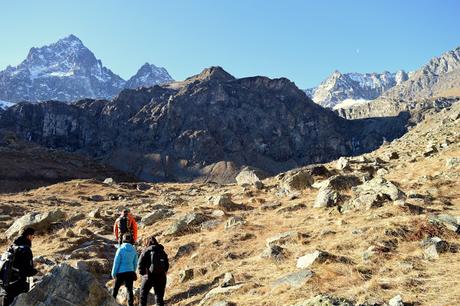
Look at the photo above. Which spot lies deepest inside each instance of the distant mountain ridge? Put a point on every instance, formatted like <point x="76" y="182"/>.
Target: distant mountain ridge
<point x="209" y="125"/>
<point x="435" y="85"/>
<point x="348" y="87"/>
<point x="67" y="71"/>
<point x="439" y="77"/>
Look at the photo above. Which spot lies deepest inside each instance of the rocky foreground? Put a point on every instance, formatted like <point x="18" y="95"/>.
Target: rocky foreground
<point x="376" y="229"/>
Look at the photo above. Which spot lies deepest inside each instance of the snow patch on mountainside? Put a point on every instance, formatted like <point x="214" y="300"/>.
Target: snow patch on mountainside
<point x="350" y="102"/>
<point x="5" y="104"/>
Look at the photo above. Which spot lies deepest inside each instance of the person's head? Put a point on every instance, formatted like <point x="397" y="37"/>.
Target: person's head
<point x="125" y="212"/>
<point x="127" y="238"/>
<point x="150" y="241"/>
<point x="28" y="233"/>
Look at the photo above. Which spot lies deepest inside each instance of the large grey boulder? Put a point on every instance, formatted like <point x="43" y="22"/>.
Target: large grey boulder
<point x="274" y="252"/>
<point x="94" y="265"/>
<point x="188" y="223"/>
<point x="396" y="301"/>
<point x="296" y="279"/>
<point x="319" y="257"/>
<point x="39" y="221"/>
<point x="66" y="286"/>
<point x="434" y="246"/>
<point x="452" y="223"/>
<point x="326" y="197"/>
<point x="342" y="163"/>
<point x="223" y="201"/>
<point x="309" y="259"/>
<point x="157" y="215"/>
<point x="297" y="180"/>
<point x="185" y="249"/>
<point x="250" y="176"/>
<point x="109" y="181"/>
<point x="373" y="194"/>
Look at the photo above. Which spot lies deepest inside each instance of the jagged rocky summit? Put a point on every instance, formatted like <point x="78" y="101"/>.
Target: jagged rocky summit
<point x="148" y="75"/>
<point x="208" y="126"/>
<point x="440" y="77"/>
<point x="68" y="71"/>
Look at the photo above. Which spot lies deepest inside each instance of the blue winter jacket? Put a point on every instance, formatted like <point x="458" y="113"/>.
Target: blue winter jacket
<point x="125" y="259"/>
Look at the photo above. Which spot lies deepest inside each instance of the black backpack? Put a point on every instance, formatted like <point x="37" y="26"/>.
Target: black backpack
<point x="158" y="262"/>
<point x="8" y="273"/>
<point x="123" y="225"/>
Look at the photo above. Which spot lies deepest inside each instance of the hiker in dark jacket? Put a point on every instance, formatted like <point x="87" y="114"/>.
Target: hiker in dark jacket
<point x="23" y="266"/>
<point x="153" y="265"/>
<point x="124" y="267"/>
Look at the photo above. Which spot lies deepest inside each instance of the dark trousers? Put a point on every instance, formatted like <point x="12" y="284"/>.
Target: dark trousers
<point x="158" y="282"/>
<point x="14" y="290"/>
<point x="126" y="278"/>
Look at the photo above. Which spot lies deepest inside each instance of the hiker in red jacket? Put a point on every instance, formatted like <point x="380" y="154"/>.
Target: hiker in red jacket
<point x="125" y="224"/>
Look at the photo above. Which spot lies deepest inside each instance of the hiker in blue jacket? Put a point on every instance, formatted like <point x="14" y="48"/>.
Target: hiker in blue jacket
<point x="124" y="267"/>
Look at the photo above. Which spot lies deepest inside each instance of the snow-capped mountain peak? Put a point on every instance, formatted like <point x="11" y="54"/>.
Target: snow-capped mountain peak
<point x="149" y="75"/>
<point x="339" y="87"/>
<point x="67" y="71"/>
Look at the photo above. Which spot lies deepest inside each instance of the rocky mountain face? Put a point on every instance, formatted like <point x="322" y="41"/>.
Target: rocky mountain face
<point x="68" y="71"/>
<point x="208" y="125"/>
<point x="440" y="77"/>
<point x="348" y="87"/>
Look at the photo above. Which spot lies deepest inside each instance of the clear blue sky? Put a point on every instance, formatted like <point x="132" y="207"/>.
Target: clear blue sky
<point x="301" y="40"/>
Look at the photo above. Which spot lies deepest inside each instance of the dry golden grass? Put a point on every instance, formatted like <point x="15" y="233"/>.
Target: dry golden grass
<point x="401" y="270"/>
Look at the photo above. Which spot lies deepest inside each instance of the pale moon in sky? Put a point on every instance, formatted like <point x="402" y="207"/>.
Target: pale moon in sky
<point x="357" y="51"/>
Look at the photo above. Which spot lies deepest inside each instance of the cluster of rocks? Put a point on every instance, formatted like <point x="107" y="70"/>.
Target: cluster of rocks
<point x="41" y="222"/>
<point x="69" y="287"/>
<point x="361" y="177"/>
